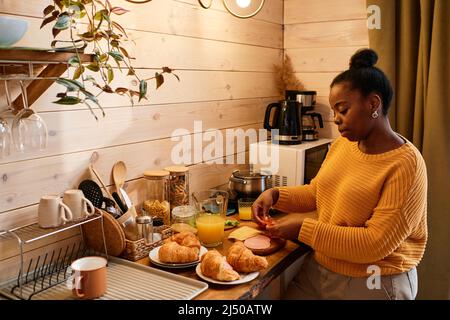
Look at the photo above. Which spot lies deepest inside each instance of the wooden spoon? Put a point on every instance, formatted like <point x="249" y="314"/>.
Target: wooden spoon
<point x="119" y="174"/>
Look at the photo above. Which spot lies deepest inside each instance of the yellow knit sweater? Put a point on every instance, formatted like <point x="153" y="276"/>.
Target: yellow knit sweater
<point x="371" y="208"/>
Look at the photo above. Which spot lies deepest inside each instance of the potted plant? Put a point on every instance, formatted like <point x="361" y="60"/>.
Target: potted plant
<point x="105" y="36"/>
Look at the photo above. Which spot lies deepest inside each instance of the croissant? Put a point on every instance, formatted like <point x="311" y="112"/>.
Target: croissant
<point x="182" y="247"/>
<point x="213" y="265"/>
<point x="172" y="252"/>
<point x="242" y="259"/>
<point x="187" y="239"/>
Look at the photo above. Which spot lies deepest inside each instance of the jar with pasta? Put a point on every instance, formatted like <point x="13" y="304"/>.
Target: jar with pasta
<point x="179" y="186"/>
<point x="157" y="203"/>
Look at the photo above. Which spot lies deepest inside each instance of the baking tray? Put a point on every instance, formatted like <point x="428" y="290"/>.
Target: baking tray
<point x="129" y="281"/>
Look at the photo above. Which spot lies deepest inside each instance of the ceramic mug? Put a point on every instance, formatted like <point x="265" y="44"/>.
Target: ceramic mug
<point x="52" y="212"/>
<point x="89" y="279"/>
<point x="78" y="204"/>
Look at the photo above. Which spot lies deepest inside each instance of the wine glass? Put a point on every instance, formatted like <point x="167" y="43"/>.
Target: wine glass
<point x="5" y="130"/>
<point x="28" y="128"/>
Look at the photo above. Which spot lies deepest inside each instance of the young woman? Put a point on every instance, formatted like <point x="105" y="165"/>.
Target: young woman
<point x="370" y="230"/>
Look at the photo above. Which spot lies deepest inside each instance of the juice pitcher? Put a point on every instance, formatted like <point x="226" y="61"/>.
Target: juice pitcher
<point x="211" y="206"/>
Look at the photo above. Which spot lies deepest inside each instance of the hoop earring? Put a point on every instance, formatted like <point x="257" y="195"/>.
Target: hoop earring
<point x="375" y="114"/>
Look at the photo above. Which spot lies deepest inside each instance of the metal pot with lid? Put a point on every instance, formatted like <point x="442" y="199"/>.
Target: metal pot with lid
<point x="248" y="183"/>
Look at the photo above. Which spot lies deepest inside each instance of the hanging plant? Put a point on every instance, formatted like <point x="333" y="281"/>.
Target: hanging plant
<point x="106" y="37"/>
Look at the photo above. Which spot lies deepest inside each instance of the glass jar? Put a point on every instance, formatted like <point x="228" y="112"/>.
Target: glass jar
<point x="158" y="227"/>
<point x="157" y="195"/>
<point x="179" y="186"/>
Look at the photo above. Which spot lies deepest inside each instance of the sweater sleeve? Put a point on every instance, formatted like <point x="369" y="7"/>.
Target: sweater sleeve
<point x="297" y="199"/>
<point x="401" y="206"/>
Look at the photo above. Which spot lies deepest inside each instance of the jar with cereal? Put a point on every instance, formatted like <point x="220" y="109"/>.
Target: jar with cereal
<point x="157" y="198"/>
<point x="179" y="186"/>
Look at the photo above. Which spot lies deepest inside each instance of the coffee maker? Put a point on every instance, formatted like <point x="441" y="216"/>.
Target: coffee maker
<point x="307" y="100"/>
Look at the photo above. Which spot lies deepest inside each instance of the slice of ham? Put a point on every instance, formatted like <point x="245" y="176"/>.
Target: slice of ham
<point x="257" y="242"/>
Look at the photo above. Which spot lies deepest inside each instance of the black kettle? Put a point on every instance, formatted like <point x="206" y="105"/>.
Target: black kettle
<point x="286" y="120"/>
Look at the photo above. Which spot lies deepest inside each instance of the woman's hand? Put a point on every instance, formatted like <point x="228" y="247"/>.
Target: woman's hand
<point x="261" y="206"/>
<point x="287" y="227"/>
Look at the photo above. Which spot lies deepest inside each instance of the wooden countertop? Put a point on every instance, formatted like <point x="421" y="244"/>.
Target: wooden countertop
<point x="278" y="262"/>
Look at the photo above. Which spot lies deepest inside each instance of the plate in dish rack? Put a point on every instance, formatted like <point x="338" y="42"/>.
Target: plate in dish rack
<point x="245" y="277"/>
<point x="154" y="258"/>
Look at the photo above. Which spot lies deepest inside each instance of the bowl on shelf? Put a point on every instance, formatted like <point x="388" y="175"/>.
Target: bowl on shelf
<point x="11" y="30"/>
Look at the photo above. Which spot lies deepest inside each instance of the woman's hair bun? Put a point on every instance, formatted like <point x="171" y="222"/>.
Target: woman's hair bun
<point x="363" y="58"/>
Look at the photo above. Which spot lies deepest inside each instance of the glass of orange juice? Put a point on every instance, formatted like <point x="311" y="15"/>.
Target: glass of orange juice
<point x="211" y="208"/>
<point x="245" y="208"/>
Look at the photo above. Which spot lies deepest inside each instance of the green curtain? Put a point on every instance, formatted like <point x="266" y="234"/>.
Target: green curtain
<point x="414" y="48"/>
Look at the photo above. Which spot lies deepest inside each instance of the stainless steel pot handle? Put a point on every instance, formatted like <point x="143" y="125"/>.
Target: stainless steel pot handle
<point x="239" y="180"/>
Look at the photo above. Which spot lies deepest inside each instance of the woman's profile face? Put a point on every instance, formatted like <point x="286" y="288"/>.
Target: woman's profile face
<point x="352" y="112"/>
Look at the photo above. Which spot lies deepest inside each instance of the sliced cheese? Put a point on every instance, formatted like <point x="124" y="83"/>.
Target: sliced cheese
<point x="243" y="233"/>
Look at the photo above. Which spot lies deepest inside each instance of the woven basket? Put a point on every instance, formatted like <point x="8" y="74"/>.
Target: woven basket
<point x="116" y="242"/>
<point x="135" y="250"/>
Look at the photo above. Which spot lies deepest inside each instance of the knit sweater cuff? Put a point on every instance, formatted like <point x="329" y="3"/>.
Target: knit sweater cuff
<point x="283" y="200"/>
<point x="307" y="231"/>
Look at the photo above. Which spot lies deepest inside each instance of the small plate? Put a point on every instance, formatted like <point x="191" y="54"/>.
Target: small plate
<point x="154" y="258"/>
<point x="245" y="277"/>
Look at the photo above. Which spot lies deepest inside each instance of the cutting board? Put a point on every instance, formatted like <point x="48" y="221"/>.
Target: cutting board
<point x="275" y="245"/>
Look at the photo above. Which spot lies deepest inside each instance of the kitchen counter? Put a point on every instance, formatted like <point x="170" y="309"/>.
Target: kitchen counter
<point x="278" y="263"/>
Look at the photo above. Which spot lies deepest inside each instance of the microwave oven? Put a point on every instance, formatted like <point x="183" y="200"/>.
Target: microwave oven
<point x="289" y="165"/>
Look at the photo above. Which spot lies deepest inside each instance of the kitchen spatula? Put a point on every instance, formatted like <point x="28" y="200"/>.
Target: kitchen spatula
<point x="92" y="192"/>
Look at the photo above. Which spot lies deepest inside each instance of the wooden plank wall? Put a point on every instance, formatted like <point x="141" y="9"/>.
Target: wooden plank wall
<point x="320" y="36"/>
<point x="226" y="70"/>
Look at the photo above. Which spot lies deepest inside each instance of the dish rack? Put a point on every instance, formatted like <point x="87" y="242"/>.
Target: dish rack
<point x="47" y="275"/>
<point x="51" y="267"/>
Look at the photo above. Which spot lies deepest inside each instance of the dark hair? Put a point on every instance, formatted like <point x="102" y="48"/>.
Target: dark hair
<point x="365" y="77"/>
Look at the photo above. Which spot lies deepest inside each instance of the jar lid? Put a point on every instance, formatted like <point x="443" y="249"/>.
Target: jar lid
<point x="183" y="211"/>
<point x="177" y="169"/>
<point x="143" y="219"/>
<point x="157" y="221"/>
<point x="156" y="174"/>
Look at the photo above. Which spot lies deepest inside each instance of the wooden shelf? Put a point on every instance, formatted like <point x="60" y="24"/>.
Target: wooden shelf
<point x="48" y="64"/>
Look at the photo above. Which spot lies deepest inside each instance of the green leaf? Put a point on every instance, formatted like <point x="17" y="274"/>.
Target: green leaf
<point x="63" y="22"/>
<point x="90" y="78"/>
<point x="103" y="57"/>
<point x="114" y="43"/>
<point x="159" y="79"/>
<point x="105" y="16"/>
<point x="125" y="52"/>
<point x="117" y="56"/>
<point x="47" y="21"/>
<point x="78" y="72"/>
<point x="49" y="9"/>
<point x="71" y="85"/>
<point x="88" y="36"/>
<point x="110" y="73"/>
<point x="93" y="67"/>
<point x="142" y="89"/>
<point x="74" y="61"/>
<point x="68" y="100"/>
<point x="99" y="15"/>
<point x="118" y="26"/>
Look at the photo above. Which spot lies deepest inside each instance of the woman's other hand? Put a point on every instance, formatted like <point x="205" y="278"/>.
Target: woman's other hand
<point x="287" y="227"/>
<point x="261" y="206"/>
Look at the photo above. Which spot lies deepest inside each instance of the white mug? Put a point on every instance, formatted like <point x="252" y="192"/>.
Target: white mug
<point x="78" y="204"/>
<point x="52" y="212"/>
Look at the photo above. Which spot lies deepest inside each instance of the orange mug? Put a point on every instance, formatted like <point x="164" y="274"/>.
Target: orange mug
<point x="89" y="281"/>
